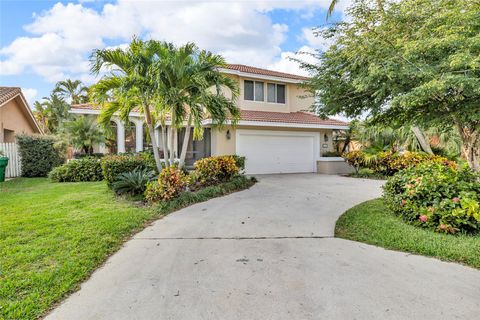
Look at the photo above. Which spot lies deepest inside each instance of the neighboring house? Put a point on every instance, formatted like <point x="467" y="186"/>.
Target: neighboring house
<point x="16" y="117"/>
<point x="275" y="133"/>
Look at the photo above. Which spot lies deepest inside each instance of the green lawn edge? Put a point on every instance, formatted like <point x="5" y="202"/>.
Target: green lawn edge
<point x="38" y="269"/>
<point x="371" y="222"/>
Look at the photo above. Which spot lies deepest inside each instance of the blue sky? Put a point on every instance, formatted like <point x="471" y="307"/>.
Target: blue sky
<point x="42" y="42"/>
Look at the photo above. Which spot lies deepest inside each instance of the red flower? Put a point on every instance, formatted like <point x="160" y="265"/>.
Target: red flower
<point x="404" y="202"/>
<point x="456" y="199"/>
<point x="423" y="218"/>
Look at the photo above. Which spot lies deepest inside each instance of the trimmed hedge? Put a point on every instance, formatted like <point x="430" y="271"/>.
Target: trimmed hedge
<point x="86" y="169"/>
<point x="39" y="154"/>
<point x="114" y="165"/>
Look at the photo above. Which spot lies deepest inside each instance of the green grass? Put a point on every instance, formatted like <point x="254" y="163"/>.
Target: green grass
<point x="371" y="222"/>
<point x="53" y="235"/>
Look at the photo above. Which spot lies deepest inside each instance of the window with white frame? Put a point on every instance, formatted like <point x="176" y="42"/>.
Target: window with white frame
<point x="253" y="90"/>
<point x="275" y="93"/>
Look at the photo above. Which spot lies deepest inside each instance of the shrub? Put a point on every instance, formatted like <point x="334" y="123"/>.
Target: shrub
<point x="240" y="162"/>
<point x="388" y="163"/>
<point x="216" y="169"/>
<point x="170" y="184"/>
<point x="134" y="182"/>
<point x="86" y="169"/>
<point x="39" y="154"/>
<point x="436" y="196"/>
<point x="87" y="155"/>
<point x="355" y="158"/>
<point x="115" y="165"/>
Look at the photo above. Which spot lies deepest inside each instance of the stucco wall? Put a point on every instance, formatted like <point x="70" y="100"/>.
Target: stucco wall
<point x="14" y="118"/>
<point x="293" y="99"/>
<point x="223" y="146"/>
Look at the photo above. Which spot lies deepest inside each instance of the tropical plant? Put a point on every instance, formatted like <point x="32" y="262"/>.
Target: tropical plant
<point x="436" y="196"/>
<point x="417" y="65"/>
<point x="74" y="90"/>
<point x="214" y="170"/>
<point x="83" y="133"/>
<point x="185" y="79"/>
<point x="133" y="182"/>
<point x="170" y="184"/>
<point x="52" y="112"/>
<point x="130" y="83"/>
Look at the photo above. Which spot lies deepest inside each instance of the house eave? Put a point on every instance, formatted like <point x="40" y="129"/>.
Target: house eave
<point x="260" y="76"/>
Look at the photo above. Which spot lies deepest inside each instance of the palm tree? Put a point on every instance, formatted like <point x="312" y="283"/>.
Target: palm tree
<point x="40" y="115"/>
<point x="55" y="110"/>
<point x="83" y="133"/>
<point x="190" y="85"/>
<point x="74" y="90"/>
<point x="130" y="83"/>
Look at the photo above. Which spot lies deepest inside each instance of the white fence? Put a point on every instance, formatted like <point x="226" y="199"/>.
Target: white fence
<point x="10" y="150"/>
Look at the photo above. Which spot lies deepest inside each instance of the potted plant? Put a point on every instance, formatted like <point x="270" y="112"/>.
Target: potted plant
<point x="3" y="166"/>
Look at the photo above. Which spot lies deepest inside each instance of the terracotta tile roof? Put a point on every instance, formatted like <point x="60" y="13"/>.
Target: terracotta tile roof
<point x="288" y="117"/>
<point x="264" y="72"/>
<point x="262" y="116"/>
<point x="91" y="106"/>
<point x="7" y="93"/>
<point x="87" y="106"/>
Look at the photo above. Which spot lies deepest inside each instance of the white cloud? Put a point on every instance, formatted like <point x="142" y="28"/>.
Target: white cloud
<point x="63" y="36"/>
<point x="286" y="64"/>
<point x="314" y="39"/>
<point x="30" y="94"/>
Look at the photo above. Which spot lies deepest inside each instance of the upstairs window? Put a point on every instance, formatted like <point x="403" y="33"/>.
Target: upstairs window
<point x="275" y="93"/>
<point x="253" y="90"/>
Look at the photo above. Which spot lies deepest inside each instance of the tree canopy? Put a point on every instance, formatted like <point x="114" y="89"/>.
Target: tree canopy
<point x="414" y="62"/>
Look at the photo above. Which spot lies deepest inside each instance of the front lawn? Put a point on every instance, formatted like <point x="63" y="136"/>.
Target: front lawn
<point x="54" y="235"/>
<point x="371" y="222"/>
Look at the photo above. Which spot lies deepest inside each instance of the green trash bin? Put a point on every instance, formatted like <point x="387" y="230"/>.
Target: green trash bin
<point x="3" y="167"/>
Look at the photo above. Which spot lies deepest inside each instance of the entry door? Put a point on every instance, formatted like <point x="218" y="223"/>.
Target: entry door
<point x="277" y="151"/>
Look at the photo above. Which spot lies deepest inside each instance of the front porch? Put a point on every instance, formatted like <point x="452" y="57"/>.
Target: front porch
<point x="134" y="137"/>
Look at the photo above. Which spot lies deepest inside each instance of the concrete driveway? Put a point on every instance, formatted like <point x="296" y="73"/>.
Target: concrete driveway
<point x="268" y="253"/>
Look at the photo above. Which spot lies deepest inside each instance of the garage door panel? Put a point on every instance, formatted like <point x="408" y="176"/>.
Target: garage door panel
<point x="271" y="152"/>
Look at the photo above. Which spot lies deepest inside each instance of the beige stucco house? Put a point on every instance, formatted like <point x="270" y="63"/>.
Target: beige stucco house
<point x="16" y="117"/>
<point x="276" y="133"/>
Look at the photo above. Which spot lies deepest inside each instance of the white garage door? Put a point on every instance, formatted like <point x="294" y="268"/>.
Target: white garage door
<point x="277" y="151"/>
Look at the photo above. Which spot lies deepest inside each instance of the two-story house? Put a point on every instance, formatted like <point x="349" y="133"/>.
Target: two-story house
<point x="276" y="133"/>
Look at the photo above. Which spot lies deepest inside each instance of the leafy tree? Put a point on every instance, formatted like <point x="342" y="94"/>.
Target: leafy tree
<point x="418" y="65"/>
<point x="190" y="86"/>
<point x="130" y="83"/>
<point x="83" y="133"/>
<point x="73" y="90"/>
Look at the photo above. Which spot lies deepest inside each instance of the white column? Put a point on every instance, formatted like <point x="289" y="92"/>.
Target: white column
<point x="120" y="136"/>
<point x="138" y="134"/>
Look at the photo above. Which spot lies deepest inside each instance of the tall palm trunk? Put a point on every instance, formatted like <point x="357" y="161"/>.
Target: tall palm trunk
<point x="422" y="140"/>
<point x="164" y="145"/>
<point x="186" y="140"/>
<point x="151" y="130"/>
<point x="172" y="140"/>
